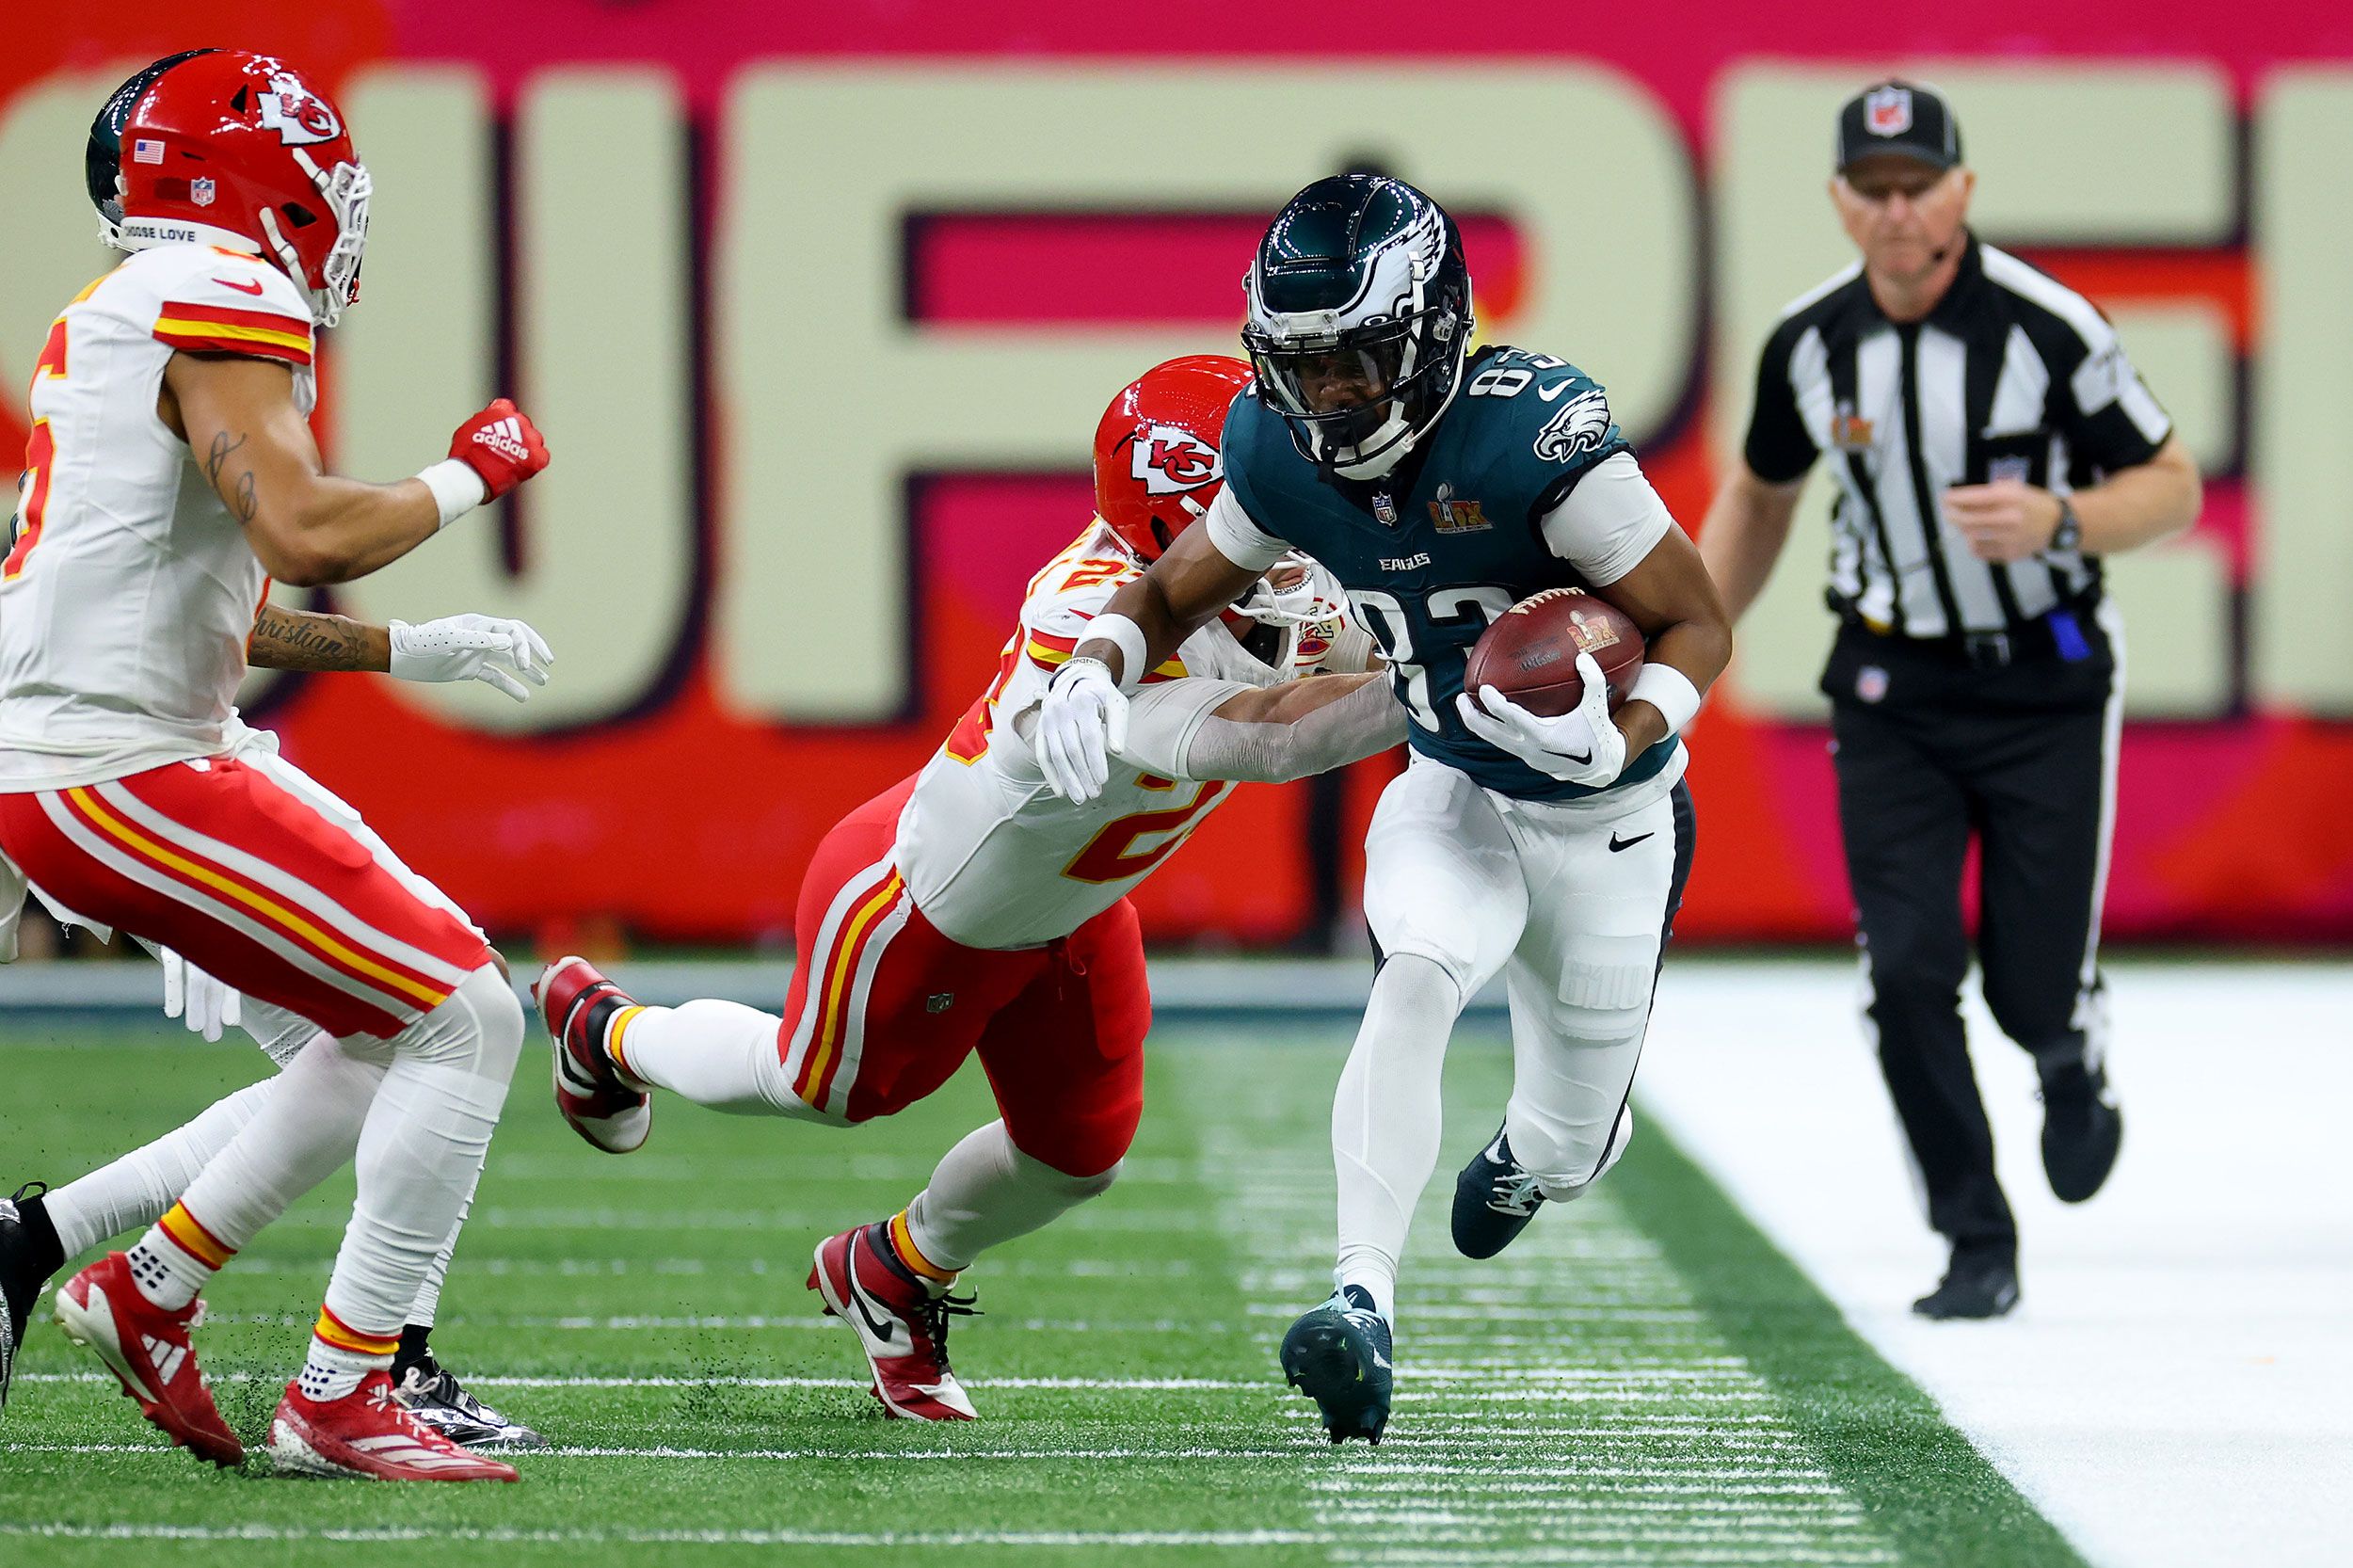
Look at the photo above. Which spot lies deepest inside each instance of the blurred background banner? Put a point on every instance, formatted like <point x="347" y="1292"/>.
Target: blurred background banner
<point x="819" y="305"/>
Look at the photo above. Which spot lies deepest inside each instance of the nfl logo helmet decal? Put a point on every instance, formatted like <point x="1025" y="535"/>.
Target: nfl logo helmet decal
<point x="1887" y="112"/>
<point x="202" y="192"/>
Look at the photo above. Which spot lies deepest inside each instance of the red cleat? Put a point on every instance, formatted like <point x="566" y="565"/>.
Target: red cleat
<point x="577" y="1004"/>
<point x="900" y="1325"/>
<point x="369" y="1433"/>
<point x="148" y="1348"/>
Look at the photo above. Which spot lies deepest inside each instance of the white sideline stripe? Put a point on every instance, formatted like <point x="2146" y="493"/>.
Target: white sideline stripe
<point x="688" y="1538"/>
<point x="773" y="1455"/>
<point x="1156" y="1384"/>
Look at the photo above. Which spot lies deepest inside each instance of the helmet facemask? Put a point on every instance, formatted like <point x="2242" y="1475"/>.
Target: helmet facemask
<point x="346" y="192"/>
<point x="1358" y="342"/>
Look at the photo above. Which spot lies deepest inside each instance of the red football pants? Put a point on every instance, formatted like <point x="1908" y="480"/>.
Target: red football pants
<point x="884" y="1008"/>
<point x="250" y="883"/>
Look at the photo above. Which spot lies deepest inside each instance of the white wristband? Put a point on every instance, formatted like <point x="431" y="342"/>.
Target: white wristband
<point x="456" y="487"/>
<point x="1130" y="636"/>
<point x="1669" y="690"/>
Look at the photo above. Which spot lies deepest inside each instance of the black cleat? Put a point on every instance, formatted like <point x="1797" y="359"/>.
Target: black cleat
<point x="1983" y="1282"/>
<point x="1337" y="1354"/>
<point x="1494" y="1200"/>
<point x="2082" y="1132"/>
<point x="29" y="1253"/>
<point x="434" y="1397"/>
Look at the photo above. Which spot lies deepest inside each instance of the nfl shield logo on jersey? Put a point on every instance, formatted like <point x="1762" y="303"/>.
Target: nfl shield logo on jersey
<point x="1870" y="683"/>
<point x="1887" y="112"/>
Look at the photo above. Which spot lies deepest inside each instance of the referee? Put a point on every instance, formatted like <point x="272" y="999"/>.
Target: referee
<point x="1990" y="443"/>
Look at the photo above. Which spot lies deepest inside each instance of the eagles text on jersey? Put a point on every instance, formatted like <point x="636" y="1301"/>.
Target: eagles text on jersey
<point x="1436" y="550"/>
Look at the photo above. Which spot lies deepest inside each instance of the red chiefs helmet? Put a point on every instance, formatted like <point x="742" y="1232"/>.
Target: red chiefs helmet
<point x="1157" y="460"/>
<point x="219" y="146"/>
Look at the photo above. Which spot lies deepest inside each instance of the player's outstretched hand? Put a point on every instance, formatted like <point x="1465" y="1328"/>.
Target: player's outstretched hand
<point x="1583" y="746"/>
<point x="208" y="1005"/>
<point x="497" y="652"/>
<point x="1082" y="721"/>
<point x="502" y="445"/>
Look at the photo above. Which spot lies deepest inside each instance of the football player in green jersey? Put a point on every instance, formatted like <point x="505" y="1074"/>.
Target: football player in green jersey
<point x="1441" y="488"/>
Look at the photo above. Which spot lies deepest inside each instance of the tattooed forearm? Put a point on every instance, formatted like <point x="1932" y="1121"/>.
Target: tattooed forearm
<point x="216" y="458"/>
<point x="298" y="640"/>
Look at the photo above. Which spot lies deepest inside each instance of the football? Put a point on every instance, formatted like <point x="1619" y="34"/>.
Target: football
<point x="1529" y="654"/>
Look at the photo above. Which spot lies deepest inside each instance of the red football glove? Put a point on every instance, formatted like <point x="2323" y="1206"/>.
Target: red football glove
<point x="502" y="445"/>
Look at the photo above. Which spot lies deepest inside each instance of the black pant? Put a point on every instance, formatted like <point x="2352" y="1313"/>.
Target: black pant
<point x="1931" y="749"/>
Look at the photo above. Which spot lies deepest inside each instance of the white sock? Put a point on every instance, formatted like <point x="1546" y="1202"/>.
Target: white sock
<point x="985" y="1191"/>
<point x="133" y="1192"/>
<point x="1386" y="1122"/>
<point x="419" y="1153"/>
<point x="331" y="1371"/>
<point x="169" y="1268"/>
<point x="721" y="1054"/>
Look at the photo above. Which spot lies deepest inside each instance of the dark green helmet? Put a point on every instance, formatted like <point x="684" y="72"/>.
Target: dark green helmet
<point x="1359" y="318"/>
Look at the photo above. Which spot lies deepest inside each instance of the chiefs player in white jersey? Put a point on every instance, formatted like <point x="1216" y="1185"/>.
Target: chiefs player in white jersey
<point x="173" y="475"/>
<point x="973" y="910"/>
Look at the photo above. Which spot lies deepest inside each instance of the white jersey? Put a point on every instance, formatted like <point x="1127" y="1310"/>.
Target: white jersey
<point x="129" y="591"/>
<point x="991" y="856"/>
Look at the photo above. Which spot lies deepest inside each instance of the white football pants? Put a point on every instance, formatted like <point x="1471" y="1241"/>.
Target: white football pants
<point x="1570" y="902"/>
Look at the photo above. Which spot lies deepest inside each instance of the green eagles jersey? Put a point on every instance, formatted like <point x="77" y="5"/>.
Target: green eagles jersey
<point x="1434" y="551"/>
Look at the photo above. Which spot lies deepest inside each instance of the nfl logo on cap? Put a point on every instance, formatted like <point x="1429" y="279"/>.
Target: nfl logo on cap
<point x="145" y="151"/>
<point x="1887" y="112"/>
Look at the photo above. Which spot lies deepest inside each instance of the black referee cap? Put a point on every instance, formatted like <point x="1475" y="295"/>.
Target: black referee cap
<point x="1896" y="116"/>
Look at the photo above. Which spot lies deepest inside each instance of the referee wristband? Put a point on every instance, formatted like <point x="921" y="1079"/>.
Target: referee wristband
<point x="1669" y="690"/>
<point x="1130" y="638"/>
<point x="457" y="488"/>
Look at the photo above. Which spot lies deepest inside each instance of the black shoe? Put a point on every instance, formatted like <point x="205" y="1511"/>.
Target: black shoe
<point x="29" y="1253"/>
<point x="1337" y="1354"/>
<point x="2082" y="1130"/>
<point x="1983" y="1282"/>
<point x="1494" y="1200"/>
<point x="434" y="1397"/>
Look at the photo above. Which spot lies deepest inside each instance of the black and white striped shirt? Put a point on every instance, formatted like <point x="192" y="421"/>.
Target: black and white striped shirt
<point x="2012" y="376"/>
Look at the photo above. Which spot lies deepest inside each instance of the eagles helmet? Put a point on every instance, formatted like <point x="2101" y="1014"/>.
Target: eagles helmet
<point x="1359" y="319"/>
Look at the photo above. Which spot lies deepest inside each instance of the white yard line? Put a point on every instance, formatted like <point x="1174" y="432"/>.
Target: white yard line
<point x="1243" y="1539"/>
<point x="2176" y="1388"/>
<point x="1523" y="1456"/>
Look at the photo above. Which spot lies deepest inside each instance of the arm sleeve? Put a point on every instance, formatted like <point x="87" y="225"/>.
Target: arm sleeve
<point x="1608" y="522"/>
<point x="1779" y="448"/>
<point x="2108" y="412"/>
<point x="1178" y="735"/>
<point x="1238" y="536"/>
<point x="236" y="305"/>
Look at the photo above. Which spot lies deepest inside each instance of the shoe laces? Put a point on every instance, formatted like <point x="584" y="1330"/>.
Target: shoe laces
<point x="935" y="1312"/>
<point x="385" y="1399"/>
<point x="1517" y="1193"/>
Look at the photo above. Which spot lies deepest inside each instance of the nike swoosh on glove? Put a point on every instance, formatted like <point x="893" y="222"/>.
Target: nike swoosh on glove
<point x="488" y="648"/>
<point x="1583" y="746"/>
<point x="1082" y="721"/>
<point x="502" y="445"/>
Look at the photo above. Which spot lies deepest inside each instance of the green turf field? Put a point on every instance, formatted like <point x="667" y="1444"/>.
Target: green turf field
<point x="1640" y="1380"/>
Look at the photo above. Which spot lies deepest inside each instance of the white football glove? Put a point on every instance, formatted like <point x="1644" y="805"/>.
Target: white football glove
<point x="472" y="648"/>
<point x="207" y="1005"/>
<point x="1582" y="746"/>
<point x="1082" y="721"/>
